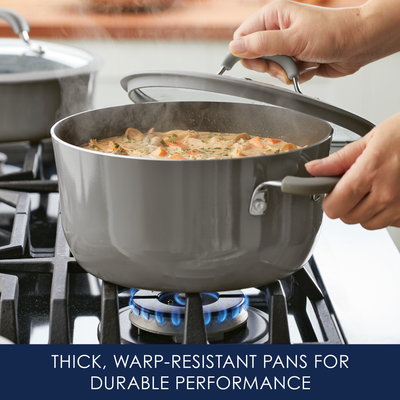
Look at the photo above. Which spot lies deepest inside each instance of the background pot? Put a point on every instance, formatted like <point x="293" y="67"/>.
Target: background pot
<point x="40" y="82"/>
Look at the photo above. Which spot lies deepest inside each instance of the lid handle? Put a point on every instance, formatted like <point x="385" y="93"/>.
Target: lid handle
<point x="20" y="26"/>
<point x="286" y="62"/>
<point x="18" y="23"/>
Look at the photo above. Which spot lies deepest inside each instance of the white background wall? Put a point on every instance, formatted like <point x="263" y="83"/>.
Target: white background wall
<point x="373" y="92"/>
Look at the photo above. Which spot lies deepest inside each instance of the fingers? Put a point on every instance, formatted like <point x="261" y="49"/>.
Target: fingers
<point x="339" y="162"/>
<point x="259" y="21"/>
<point x="272" y="68"/>
<point x="369" y="190"/>
<point x="306" y="70"/>
<point x="396" y="224"/>
<point x="352" y="188"/>
<point x="262" y="43"/>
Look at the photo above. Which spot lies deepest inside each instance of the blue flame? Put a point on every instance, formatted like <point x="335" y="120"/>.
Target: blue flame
<point x="179" y="300"/>
<point x="222" y="315"/>
<point x="213" y="294"/>
<point x="246" y="303"/>
<point x="176" y="317"/>
<point x="146" y="315"/>
<point x="135" y="310"/>
<point x="134" y="307"/>
<point x="133" y="292"/>
<point x="207" y="317"/>
<point x="159" y="317"/>
<point x="235" y="311"/>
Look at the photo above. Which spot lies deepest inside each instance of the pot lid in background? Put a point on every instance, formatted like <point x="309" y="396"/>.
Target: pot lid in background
<point x="135" y="83"/>
<point x="18" y="63"/>
<point x="25" y="60"/>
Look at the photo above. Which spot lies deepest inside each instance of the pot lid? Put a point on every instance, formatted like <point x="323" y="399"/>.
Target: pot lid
<point x="25" y="60"/>
<point x="135" y="83"/>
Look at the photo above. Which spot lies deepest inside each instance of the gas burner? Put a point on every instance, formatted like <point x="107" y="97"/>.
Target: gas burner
<point x="164" y="313"/>
<point x="254" y="331"/>
<point x="154" y="316"/>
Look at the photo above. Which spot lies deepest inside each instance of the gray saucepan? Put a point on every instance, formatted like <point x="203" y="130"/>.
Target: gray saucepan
<point x="40" y="82"/>
<point x="192" y="225"/>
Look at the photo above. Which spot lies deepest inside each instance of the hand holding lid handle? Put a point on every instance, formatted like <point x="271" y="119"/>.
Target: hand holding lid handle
<point x="285" y="62"/>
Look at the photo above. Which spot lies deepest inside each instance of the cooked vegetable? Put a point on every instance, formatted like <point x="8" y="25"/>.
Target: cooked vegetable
<point x="274" y="141"/>
<point x="256" y="142"/>
<point x="177" y="144"/>
<point x="176" y="157"/>
<point x="158" y="152"/>
<point x="114" y="147"/>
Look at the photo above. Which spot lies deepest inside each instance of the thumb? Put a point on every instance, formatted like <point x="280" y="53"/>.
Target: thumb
<point x="337" y="163"/>
<point x="262" y="43"/>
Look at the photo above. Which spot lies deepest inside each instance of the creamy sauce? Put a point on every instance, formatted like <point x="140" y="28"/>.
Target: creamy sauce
<point x="189" y="145"/>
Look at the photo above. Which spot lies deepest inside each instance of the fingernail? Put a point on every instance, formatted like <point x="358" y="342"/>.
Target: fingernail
<point x="238" y="46"/>
<point x="308" y="66"/>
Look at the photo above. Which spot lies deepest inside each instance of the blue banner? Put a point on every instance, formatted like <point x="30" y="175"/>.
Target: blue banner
<point x="213" y="371"/>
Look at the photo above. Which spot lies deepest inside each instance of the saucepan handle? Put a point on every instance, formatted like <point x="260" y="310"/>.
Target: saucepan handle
<point x="18" y="23"/>
<point x="286" y="62"/>
<point x="308" y="186"/>
<point x="295" y="185"/>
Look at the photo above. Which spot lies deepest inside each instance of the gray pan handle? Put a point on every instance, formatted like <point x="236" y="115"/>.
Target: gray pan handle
<point x="294" y="185"/>
<point x="308" y="186"/>
<point x="285" y="62"/>
<point x="21" y="27"/>
<point x="18" y="23"/>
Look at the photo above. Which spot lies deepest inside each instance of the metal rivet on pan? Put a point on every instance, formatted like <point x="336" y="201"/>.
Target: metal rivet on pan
<point x="316" y="197"/>
<point x="260" y="205"/>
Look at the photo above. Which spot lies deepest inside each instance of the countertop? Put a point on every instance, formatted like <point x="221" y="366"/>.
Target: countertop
<point x="182" y="19"/>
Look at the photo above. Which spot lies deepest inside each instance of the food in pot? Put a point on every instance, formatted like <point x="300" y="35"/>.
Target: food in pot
<point x="189" y="145"/>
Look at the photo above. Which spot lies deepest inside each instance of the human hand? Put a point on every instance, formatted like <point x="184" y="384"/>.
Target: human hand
<point x="325" y="42"/>
<point x="369" y="191"/>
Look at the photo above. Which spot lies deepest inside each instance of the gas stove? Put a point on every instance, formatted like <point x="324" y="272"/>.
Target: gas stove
<point x="46" y="297"/>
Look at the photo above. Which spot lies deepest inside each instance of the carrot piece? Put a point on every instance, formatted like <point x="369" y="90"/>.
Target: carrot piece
<point x="274" y="141"/>
<point x="177" y="144"/>
<point x="158" y="152"/>
<point x="177" y="157"/>
<point x="114" y="147"/>
<point x="256" y="142"/>
<point x="111" y="146"/>
<point x="193" y="153"/>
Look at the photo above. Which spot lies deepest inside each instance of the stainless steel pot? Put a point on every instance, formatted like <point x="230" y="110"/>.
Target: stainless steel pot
<point x="40" y="82"/>
<point x="190" y="225"/>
